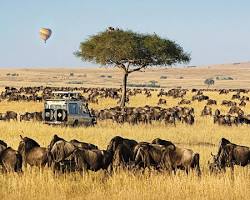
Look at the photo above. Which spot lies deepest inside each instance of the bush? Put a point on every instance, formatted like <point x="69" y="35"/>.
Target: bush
<point x="82" y="75"/>
<point x="152" y="84"/>
<point x="223" y="78"/>
<point x="163" y="77"/>
<point x="109" y="76"/>
<point x="181" y="77"/>
<point x="71" y="74"/>
<point x="14" y="74"/>
<point x="102" y="76"/>
<point x="75" y="82"/>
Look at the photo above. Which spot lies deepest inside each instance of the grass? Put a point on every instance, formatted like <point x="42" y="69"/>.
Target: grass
<point x="202" y="137"/>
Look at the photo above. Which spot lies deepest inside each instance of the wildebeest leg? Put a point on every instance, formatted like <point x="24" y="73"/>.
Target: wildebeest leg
<point x="110" y="169"/>
<point x="187" y="170"/>
<point x="175" y="171"/>
<point x="4" y="170"/>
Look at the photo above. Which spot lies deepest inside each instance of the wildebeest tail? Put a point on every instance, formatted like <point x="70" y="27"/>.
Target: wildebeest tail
<point x="19" y="163"/>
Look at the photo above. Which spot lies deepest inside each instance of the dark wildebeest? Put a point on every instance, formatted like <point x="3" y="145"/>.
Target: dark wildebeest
<point x="61" y="156"/>
<point x="162" y="101"/>
<point x="206" y="111"/>
<point x="93" y="160"/>
<point x="32" y="153"/>
<point x="59" y="152"/>
<point x="10" y="159"/>
<point x="11" y="115"/>
<point x="230" y="154"/>
<point x="148" y="155"/>
<point x="122" y="150"/>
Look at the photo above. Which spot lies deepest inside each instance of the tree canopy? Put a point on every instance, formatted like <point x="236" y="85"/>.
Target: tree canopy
<point x="127" y="49"/>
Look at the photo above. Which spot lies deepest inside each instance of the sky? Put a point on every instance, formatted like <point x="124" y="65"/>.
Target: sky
<point x="214" y="31"/>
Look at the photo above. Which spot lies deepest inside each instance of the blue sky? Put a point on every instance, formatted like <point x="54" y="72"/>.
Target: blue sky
<point x="215" y="31"/>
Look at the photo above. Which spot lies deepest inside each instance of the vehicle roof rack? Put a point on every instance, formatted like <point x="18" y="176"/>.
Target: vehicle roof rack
<point x="66" y="95"/>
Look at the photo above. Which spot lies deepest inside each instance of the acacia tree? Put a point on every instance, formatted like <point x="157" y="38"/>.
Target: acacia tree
<point x="130" y="52"/>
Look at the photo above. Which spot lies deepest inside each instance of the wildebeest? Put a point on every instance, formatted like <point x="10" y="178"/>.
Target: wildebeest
<point x="162" y="101"/>
<point x="10" y="159"/>
<point x="242" y="103"/>
<point x="184" y="101"/>
<point x="61" y="156"/>
<point x="28" y="116"/>
<point x="32" y="153"/>
<point x="8" y="116"/>
<point x="174" y="158"/>
<point x="181" y="158"/>
<point x="147" y="155"/>
<point x="206" y="111"/>
<point x="93" y="160"/>
<point x="11" y="115"/>
<point x="122" y="150"/>
<point x="230" y="154"/>
<point x="211" y="102"/>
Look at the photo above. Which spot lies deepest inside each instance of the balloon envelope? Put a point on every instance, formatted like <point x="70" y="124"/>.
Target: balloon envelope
<point x="45" y="33"/>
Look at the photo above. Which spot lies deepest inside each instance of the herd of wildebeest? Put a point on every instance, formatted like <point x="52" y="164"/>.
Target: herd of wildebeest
<point x="134" y="115"/>
<point x="63" y="156"/>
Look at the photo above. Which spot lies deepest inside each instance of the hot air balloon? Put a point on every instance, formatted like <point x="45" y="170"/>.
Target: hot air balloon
<point x="45" y="33"/>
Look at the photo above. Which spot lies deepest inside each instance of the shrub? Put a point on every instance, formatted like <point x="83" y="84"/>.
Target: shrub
<point x="163" y="77"/>
<point x="75" y="82"/>
<point x="223" y="78"/>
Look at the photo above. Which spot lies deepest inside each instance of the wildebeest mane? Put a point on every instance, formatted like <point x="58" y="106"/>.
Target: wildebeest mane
<point x="3" y="143"/>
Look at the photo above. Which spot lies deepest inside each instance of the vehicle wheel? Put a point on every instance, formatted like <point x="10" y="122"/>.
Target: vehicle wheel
<point x="76" y="123"/>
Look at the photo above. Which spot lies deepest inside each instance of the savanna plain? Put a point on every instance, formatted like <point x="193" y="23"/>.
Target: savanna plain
<point x="202" y="137"/>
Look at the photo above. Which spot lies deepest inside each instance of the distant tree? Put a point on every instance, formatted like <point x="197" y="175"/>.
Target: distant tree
<point x="209" y="82"/>
<point x="130" y="52"/>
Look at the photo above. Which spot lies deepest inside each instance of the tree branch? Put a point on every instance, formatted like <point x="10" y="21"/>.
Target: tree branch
<point x="137" y="69"/>
<point x="121" y="66"/>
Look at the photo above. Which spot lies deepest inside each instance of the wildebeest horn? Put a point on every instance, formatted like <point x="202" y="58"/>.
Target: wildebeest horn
<point x="21" y="137"/>
<point x="212" y="154"/>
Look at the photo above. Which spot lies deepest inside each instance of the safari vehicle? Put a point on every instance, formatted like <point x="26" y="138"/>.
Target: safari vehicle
<point x="67" y="108"/>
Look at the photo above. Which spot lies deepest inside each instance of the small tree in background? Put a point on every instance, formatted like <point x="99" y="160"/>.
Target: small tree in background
<point x="209" y="82"/>
<point x="130" y="52"/>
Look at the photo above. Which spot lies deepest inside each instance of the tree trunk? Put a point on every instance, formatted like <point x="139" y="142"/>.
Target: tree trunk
<point x="124" y="90"/>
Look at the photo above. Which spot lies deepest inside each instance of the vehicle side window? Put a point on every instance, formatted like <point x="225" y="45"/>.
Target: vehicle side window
<point x="73" y="108"/>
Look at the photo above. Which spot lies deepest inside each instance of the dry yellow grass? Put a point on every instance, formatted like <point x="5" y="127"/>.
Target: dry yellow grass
<point x="34" y="184"/>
